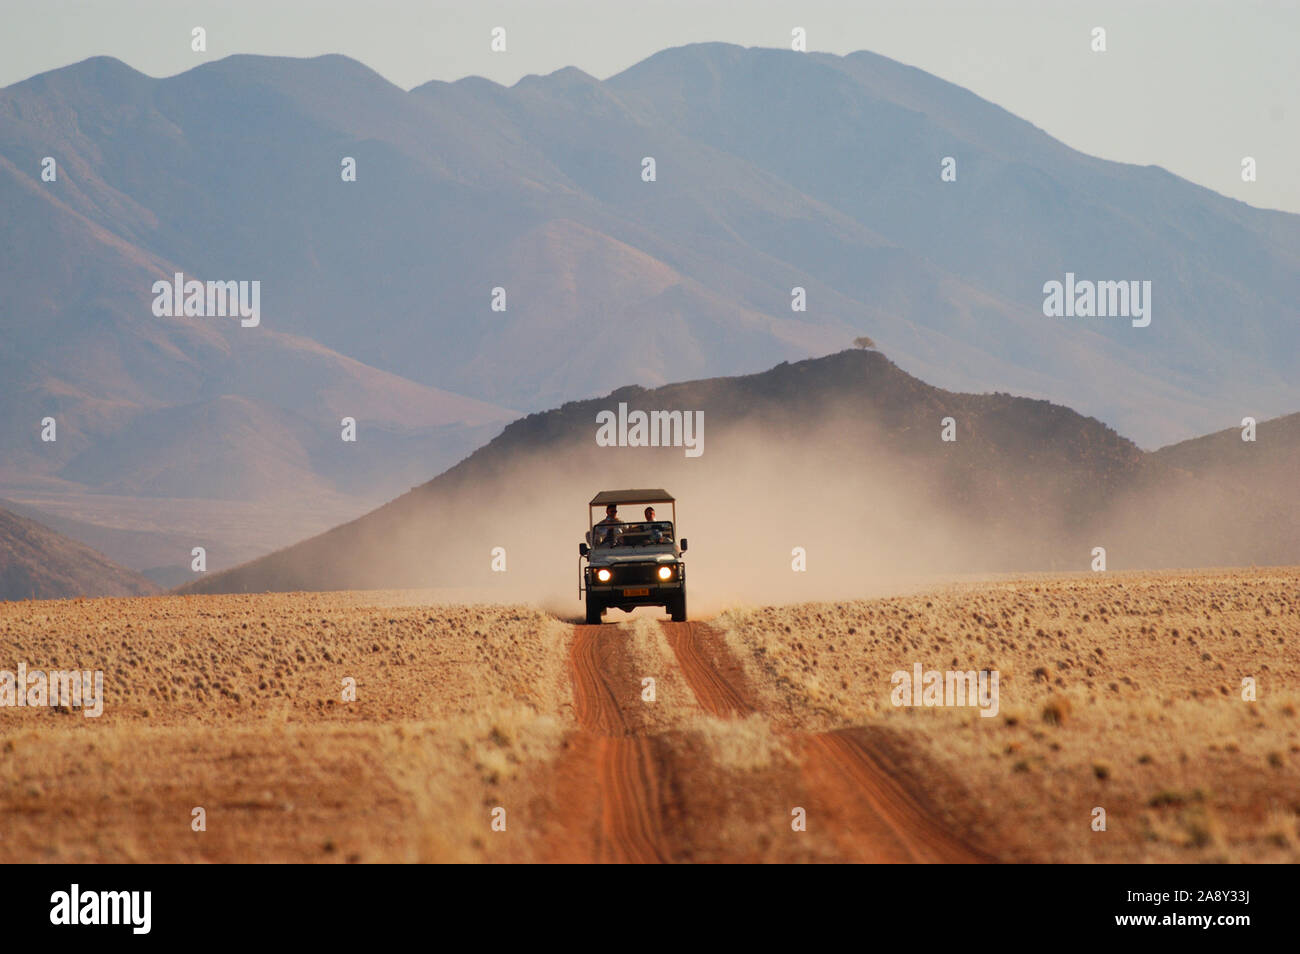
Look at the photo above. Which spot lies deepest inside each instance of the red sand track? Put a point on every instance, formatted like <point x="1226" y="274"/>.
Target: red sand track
<point x="595" y="703"/>
<point x="628" y="795"/>
<point x="871" y="815"/>
<point x="628" y="775"/>
<point x="708" y="669"/>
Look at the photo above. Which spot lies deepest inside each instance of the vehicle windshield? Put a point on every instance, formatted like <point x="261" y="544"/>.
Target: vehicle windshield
<point x="657" y="533"/>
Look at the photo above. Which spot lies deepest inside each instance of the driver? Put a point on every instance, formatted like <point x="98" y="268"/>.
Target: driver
<point x="606" y="530"/>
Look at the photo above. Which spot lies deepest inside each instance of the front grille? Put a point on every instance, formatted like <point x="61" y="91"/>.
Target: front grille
<point x="635" y="573"/>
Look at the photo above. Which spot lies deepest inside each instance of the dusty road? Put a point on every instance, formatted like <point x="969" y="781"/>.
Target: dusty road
<point x="648" y="782"/>
<point x="498" y="733"/>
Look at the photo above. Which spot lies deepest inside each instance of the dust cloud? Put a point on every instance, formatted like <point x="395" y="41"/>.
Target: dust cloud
<point x="865" y="525"/>
<point x="869" y="504"/>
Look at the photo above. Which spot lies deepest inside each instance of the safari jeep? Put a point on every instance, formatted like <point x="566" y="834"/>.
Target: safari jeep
<point x="633" y="560"/>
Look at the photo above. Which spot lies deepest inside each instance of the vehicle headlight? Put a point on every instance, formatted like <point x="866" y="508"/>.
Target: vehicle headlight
<point x="665" y="573"/>
<point x="603" y="575"/>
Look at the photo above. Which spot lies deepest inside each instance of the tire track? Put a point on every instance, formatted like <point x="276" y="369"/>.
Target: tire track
<point x="703" y="657"/>
<point x="595" y="704"/>
<point x="631" y="816"/>
<point x="847" y="777"/>
<point x="871" y="814"/>
<point x="632" y="770"/>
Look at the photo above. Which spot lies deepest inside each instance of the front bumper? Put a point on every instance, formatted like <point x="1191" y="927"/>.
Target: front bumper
<point x="633" y="594"/>
<point x="636" y="585"/>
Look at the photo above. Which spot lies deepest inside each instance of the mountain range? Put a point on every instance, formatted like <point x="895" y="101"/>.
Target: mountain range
<point x="774" y="170"/>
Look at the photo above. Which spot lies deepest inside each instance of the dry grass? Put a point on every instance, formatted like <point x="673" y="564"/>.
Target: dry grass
<point x="1120" y="691"/>
<point x="236" y="704"/>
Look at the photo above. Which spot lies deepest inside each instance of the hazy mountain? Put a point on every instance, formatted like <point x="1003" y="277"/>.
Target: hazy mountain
<point x="1268" y="466"/>
<point x="37" y="563"/>
<point x="143" y="551"/>
<point x="188" y="406"/>
<point x="774" y="169"/>
<point x="193" y="408"/>
<point x="842" y="456"/>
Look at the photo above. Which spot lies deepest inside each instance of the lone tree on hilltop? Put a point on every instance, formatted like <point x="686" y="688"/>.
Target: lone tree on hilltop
<point x="864" y="342"/>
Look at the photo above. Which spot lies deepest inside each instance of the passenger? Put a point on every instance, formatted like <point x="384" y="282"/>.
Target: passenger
<point x="657" y="534"/>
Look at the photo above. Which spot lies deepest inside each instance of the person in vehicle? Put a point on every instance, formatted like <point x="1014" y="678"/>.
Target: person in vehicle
<point x="606" y="530"/>
<point x="657" y="534"/>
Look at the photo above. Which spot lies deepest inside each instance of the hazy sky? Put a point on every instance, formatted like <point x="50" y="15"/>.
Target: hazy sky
<point x="1191" y="86"/>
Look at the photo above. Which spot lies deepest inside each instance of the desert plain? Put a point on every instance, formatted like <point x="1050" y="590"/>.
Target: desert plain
<point x="1141" y="717"/>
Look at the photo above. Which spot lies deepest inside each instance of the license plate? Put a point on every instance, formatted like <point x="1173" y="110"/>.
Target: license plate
<point x="641" y="591"/>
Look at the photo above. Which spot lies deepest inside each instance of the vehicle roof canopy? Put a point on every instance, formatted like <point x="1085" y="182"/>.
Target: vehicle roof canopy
<point x="606" y="497"/>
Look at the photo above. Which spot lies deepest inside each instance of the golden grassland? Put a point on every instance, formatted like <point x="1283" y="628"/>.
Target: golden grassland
<point x="235" y="704"/>
<point x="1119" y="691"/>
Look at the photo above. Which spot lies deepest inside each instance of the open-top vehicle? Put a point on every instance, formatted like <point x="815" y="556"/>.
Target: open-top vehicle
<point x="629" y="564"/>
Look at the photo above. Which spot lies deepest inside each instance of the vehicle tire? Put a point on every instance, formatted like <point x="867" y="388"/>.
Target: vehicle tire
<point x="594" y="611"/>
<point x="677" y="608"/>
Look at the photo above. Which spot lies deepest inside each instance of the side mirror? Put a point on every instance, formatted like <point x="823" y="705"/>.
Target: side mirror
<point x="582" y="549"/>
<point x="683" y="544"/>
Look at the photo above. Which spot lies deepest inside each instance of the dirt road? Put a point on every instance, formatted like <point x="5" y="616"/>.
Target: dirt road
<point x="646" y="785"/>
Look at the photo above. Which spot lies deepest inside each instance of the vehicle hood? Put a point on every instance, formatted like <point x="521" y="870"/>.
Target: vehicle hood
<point x="639" y="555"/>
